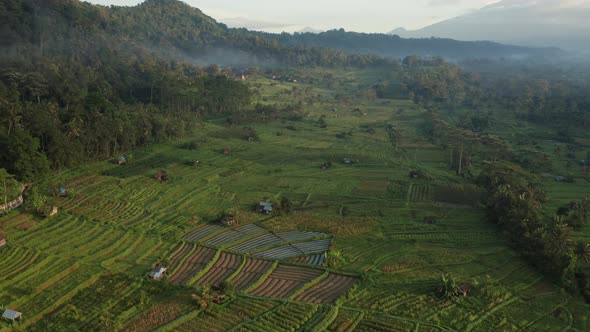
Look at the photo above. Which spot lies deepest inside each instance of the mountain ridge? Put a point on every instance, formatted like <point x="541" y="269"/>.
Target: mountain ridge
<point x="543" y="23"/>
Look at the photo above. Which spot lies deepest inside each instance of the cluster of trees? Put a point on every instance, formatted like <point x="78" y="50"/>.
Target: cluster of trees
<point x="515" y="203"/>
<point x="58" y="111"/>
<point x="71" y="95"/>
<point x="559" y="99"/>
<point x="464" y="144"/>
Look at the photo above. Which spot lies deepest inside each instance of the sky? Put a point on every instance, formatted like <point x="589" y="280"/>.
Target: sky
<point x="353" y="15"/>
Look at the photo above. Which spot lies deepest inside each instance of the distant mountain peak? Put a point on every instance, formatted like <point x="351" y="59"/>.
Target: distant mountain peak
<point x="309" y="29"/>
<point x="401" y="31"/>
<point x="538" y="23"/>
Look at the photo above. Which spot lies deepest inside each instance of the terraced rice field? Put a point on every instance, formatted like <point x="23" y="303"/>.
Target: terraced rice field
<point x="327" y="290"/>
<point x="187" y="263"/>
<point x="253" y="270"/>
<point x="317" y="259"/>
<point x="262" y="241"/>
<point x="279" y="252"/>
<point x="85" y="269"/>
<point x="289" y="317"/>
<point x="202" y="232"/>
<point x="223" y="268"/>
<point x="285" y="280"/>
<point x="232" y="315"/>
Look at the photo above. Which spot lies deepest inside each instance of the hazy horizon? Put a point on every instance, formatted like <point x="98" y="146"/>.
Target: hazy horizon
<point x="381" y="16"/>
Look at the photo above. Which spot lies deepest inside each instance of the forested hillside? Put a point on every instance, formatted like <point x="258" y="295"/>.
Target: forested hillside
<point x="393" y="46"/>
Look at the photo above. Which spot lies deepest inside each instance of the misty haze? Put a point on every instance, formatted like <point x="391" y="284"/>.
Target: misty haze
<point x="222" y="165"/>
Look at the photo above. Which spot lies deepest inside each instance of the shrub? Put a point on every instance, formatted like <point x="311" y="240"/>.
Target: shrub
<point x="466" y="194"/>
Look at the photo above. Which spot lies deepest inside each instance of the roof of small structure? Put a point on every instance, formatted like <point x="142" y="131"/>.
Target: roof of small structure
<point x="11" y="314"/>
<point x="465" y="287"/>
<point x="266" y="206"/>
<point x="158" y="271"/>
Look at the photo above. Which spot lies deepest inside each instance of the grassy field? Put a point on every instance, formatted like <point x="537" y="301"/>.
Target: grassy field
<point x="85" y="268"/>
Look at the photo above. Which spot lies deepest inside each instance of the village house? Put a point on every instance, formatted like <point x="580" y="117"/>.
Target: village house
<point x="12" y="315"/>
<point x="264" y="207"/>
<point x="158" y="272"/>
<point x="228" y="220"/>
<point x="2" y="241"/>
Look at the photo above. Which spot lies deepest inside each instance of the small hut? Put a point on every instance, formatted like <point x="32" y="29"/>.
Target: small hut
<point x="2" y="241"/>
<point x="158" y="272"/>
<point x="121" y="160"/>
<point x="464" y="289"/>
<point x="54" y="211"/>
<point x="264" y="207"/>
<point x="226" y="151"/>
<point x="161" y="176"/>
<point x="11" y="315"/>
<point x="326" y="165"/>
<point x="228" y="220"/>
<point x="347" y="161"/>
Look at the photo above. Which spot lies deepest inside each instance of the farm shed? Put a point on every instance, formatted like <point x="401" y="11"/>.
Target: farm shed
<point x="158" y="272"/>
<point x="264" y="207"/>
<point x="12" y="315"/>
<point x="161" y="176"/>
<point x="2" y="241"/>
<point x="561" y="178"/>
<point x="228" y="220"/>
<point x="54" y="211"/>
<point x="464" y="289"/>
<point x="347" y="161"/>
<point x="121" y="160"/>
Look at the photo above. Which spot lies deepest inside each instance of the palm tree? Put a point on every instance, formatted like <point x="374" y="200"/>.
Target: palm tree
<point x="583" y="251"/>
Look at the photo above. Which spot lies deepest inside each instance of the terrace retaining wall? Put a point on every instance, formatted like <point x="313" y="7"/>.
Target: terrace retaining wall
<point x="16" y="202"/>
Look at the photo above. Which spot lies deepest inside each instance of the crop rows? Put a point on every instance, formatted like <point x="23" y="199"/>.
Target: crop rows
<point x="323" y="315"/>
<point x="289" y="317"/>
<point x="317" y="259"/>
<point x="265" y="240"/>
<point x="109" y="296"/>
<point x="21" y="262"/>
<point x="327" y="290"/>
<point x="227" y="237"/>
<point x="232" y="315"/>
<point x="279" y="252"/>
<point x="48" y="296"/>
<point x="224" y="267"/>
<point x="285" y="280"/>
<point x="313" y="247"/>
<point x="191" y="264"/>
<point x="297" y="235"/>
<point x="383" y="324"/>
<point x="202" y="232"/>
<point x="419" y="193"/>
<point x="251" y="229"/>
<point x="253" y="270"/>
